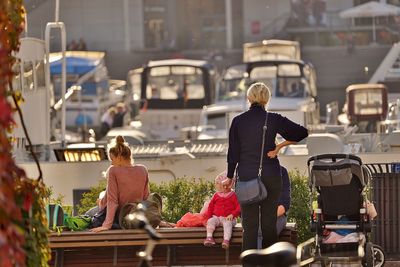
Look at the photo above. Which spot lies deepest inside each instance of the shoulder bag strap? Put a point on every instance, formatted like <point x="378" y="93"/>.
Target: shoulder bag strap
<point x="263" y="144"/>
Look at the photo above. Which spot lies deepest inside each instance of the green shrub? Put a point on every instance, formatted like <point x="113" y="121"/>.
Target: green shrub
<point x="185" y="194"/>
<point x="179" y="196"/>
<point x="182" y="195"/>
<point x="299" y="211"/>
<point x="88" y="200"/>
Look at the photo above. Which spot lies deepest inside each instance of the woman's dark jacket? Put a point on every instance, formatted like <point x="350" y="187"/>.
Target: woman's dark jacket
<point x="245" y="140"/>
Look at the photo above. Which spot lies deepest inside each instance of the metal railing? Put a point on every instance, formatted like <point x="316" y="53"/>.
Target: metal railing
<point x="385" y="196"/>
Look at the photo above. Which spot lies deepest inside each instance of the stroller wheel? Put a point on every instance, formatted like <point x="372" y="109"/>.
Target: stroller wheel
<point x="368" y="260"/>
<point x="379" y="256"/>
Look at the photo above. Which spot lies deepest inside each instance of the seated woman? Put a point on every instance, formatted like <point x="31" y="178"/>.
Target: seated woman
<point x="127" y="183"/>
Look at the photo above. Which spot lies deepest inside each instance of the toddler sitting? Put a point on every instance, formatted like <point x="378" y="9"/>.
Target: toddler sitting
<point x="223" y="209"/>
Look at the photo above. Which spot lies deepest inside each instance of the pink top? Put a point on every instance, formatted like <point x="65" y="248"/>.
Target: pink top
<point x="125" y="184"/>
<point x="223" y="204"/>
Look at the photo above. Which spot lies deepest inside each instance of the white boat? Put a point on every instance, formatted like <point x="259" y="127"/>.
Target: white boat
<point x="276" y="63"/>
<point x="293" y="90"/>
<point x="67" y="168"/>
<point x="171" y="95"/>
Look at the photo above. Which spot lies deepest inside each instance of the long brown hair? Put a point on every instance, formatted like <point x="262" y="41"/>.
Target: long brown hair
<point x="120" y="149"/>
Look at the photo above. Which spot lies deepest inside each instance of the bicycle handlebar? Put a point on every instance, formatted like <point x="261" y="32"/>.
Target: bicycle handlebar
<point x="281" y="254"/>
<point x="138" y="220"/>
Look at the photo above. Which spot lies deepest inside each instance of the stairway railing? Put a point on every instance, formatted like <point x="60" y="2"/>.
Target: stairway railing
<point x="386" y="64"/>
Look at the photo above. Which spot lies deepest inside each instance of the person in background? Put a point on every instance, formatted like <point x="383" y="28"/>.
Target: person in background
<point x="127" y="183"/>
<point x="72" y="45"/>
<point x="107" y="121"/>
<point x="245" y="141"/>
<point x="223" y="210"/>
<point x="81" y="46"/>
<point x="119" y="116"/>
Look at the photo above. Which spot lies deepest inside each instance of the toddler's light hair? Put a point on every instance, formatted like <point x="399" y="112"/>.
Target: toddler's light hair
<point x="220" y="177"/>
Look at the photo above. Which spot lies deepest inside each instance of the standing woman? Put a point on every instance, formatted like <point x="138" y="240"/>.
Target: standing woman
<point x="127" y="183"/>
<point x="245" y="142"/>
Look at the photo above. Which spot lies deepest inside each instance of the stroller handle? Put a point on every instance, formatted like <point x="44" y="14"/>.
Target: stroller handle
<point x="334" y="157"/>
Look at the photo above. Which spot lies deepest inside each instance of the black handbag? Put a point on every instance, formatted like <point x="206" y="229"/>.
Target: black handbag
<point x="253" y="190"/>
<point x="99" y="218"/>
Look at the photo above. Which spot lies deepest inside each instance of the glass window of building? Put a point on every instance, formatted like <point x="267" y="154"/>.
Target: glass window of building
<point x="154" y="22"/>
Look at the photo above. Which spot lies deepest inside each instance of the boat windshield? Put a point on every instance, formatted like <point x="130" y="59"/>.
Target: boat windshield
<point x="285" y="80"/>
<point x="175" y="82"/>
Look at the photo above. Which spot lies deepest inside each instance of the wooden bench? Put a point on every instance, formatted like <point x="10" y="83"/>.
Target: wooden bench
<point x="179" y="246"/>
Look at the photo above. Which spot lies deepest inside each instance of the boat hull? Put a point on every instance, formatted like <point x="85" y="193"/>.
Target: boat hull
<point x="64" y="177"/>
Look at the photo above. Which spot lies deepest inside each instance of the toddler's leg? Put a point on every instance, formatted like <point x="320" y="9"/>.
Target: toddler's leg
<point x="212" y="223"/>
<point x="228" y="227"/>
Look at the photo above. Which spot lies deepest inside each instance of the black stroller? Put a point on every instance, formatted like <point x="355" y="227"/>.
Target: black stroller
<point x="338" y="205"/>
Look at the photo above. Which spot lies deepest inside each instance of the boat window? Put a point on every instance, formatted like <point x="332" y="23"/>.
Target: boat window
<point x="177" y="82"/>
<point x="233" y="84"/>
<point x="310" y="76"/>
<point x="31" y="74"/>
<point x="40" y="74"/>
<point x="368" y="102"/>
<point x="159" y="71"/>
<point x="135" y="81"/>
<point x="182" y="70"/>
<point x="217" y="120"/>
<point x="289" y="70"/>
<point x="264" y="74"/>
<point x="290" y="87"/>
<point x="285" y="80"/>
<point x="232" y="89"/>
<point x="235" y="72"/>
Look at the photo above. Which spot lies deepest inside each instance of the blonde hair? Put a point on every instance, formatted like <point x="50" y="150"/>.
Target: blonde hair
<point x="120" y="149"/>
<point x="258" y="93"/>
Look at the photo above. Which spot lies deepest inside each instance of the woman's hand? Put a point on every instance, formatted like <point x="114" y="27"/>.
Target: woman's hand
<point x="281" y="211"/>
<point x="229" y="217"/>
<point x="273" y="153"/>
<point x="98" y="229"/>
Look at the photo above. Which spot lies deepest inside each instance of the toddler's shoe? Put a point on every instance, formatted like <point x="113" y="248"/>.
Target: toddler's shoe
<point x="209" y="242"/>
<point x="225" y="244"/>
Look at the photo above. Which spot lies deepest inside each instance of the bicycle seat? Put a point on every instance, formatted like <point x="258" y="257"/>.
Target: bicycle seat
<point x="281" y="254"/>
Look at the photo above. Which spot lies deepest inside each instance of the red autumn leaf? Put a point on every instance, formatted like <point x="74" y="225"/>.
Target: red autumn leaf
<point x="27" y="202"/>
<point x="5" y="112"/>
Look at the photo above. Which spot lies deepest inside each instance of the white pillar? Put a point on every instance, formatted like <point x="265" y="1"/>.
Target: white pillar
<point x="127" y="25"/>
<point x="228" y="24"/>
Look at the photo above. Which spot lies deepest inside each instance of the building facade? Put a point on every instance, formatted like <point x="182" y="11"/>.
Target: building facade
<point x="132" y="25"/>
